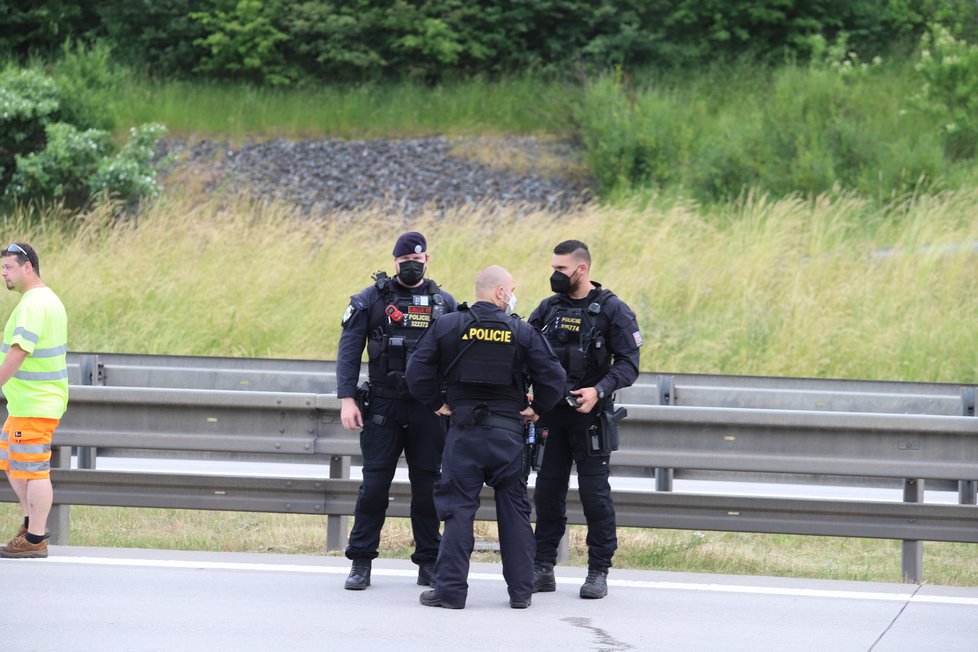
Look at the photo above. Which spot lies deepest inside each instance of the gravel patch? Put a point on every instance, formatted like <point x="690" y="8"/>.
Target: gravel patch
<point x="404" y="177"/>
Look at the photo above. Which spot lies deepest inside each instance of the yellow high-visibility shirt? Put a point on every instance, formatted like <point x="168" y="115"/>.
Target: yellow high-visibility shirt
<point x="38" y="325"/>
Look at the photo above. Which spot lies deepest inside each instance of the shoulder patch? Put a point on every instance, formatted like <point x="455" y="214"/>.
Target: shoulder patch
<point x="637" y="336"/>
<point x="347" y="314"/>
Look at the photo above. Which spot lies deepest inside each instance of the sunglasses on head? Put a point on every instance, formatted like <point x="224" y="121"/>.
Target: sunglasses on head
<point x="14" y="248"/>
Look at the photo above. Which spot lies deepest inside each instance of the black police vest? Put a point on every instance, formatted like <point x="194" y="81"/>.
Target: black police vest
<point x="398" y="320"/>
<point x="579" y="338"/>
<point x="485" y="362"/>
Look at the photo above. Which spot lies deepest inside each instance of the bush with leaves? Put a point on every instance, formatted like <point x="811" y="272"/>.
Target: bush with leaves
<point x="49" y="151"/>
<point x="61" y="170"/>
<point x="243" y="40"/>
<point x="949" y="69"/>
<point x="130" y="175"/>
<point x="28" y="102"/>
<point x="88" y="81"/>
<point x="279" y="41"/>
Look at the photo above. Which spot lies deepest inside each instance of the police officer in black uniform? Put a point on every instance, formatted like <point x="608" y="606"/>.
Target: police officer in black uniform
<point x="389" y="317"/>
<point x="597" y="339"/>
<point x="485" y="355"/>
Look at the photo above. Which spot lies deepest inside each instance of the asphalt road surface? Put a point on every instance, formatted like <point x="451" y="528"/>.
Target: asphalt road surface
<point x="103" y="599"/>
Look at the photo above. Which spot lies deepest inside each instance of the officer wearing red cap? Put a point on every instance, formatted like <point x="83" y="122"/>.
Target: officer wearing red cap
<point x="388" y="317"/>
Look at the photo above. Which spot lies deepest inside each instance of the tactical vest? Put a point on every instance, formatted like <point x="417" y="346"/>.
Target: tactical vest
<point x="484" y="361"/>
<point x="398" y="318"/>
<point x="578" y="336"/>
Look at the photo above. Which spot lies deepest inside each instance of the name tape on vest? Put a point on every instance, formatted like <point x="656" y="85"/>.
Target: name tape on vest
<point x="566" y="323"/>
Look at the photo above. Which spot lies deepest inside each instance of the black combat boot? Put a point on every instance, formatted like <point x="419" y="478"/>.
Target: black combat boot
<point x="543" y="578"/>
<point x="520" y="604"/>
<point x="426" y="573"/>
<point x="596" y="584"/>
<point x="359" y="577"/>
<point x="431" y="599"/>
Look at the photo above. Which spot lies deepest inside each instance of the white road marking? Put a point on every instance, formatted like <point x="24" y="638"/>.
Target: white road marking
<point x="492" y="577"/>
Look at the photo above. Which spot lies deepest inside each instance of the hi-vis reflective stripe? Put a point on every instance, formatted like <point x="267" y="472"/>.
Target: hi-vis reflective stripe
<point x="489" y="334"/>
<point x="20" y="330"/>
<point x="41" y="353"/>
<point x="41" y="375"/>
<point x="30" y="467"/>
<point x="29" y="449"/>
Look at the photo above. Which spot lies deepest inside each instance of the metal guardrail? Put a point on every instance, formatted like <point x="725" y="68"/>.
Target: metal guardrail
<point x="633" y="509"/>
<point x="287" y="410"/>
<point x="691" y="390"/>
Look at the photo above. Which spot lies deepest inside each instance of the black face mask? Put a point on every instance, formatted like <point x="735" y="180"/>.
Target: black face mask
<point x="560" y="282"/>
<point x="411" y="271"/>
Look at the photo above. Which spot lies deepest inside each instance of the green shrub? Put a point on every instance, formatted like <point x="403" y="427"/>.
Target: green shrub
<point x="338" y="41"/>
<point x="949" y="69"/>
<point x="243" y="41"/>
<point x="76" y="166"/>
<point x="156" y="36"/>
<point x="40" y="28"/>
<point x="726" y="160"/>
<point x="359" y="40"/>
<point x="836" y="125"/>
<point x="28" y="102"/>
<point x="607" y="120"/>
<point x="61" y="170"/>
<point x="89" y="84"/>
<point x="130" y="175"/>
<point x="48" y="150"/>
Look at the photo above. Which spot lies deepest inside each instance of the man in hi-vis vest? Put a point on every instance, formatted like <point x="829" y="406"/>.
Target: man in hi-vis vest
<point x="34" y="378"/>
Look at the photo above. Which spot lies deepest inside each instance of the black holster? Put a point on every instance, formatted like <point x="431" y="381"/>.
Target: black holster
<point x="362" y="397"/>
<point x="603" y="438"/>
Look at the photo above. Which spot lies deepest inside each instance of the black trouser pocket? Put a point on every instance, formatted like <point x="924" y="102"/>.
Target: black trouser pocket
<point x="444" y="498"/>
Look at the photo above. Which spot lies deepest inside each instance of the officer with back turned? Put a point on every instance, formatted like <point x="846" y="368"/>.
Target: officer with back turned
<point x="485" y="356"/>
<point x="597" y="339"/>
<point x="389" y="317"/>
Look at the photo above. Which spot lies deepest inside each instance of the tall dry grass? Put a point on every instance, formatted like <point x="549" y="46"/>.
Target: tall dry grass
<point x="831" y="287"/>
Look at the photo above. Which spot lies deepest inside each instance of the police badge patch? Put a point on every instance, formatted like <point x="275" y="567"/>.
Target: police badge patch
<point x="347" y="314"/>
<point x="638" y="338"/>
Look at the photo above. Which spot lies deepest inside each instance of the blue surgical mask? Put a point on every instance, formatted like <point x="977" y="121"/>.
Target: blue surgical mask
<point x="511" y="304"/>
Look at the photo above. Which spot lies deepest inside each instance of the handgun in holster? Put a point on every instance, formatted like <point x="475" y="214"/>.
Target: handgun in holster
<point x="538" y="449"/>
<point x="362" y="397"/>
<point x="602" y="438"/>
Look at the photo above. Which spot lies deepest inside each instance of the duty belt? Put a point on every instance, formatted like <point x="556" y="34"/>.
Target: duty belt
<point x="384" y="391"/>
<point x="495" y="421"/>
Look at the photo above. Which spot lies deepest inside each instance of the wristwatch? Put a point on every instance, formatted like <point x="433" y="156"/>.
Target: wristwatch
<point x="600" y="393"/>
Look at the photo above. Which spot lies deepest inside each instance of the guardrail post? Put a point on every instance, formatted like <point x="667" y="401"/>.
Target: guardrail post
<point x="92" y="373"/>
<point x="967" y="492"/>
<point x="336" y="525"/>
<point x="663" y="477"/>
<point x="59" y="519"/>
<point x="913" y="551"/>
<point x="968" y="489"/>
